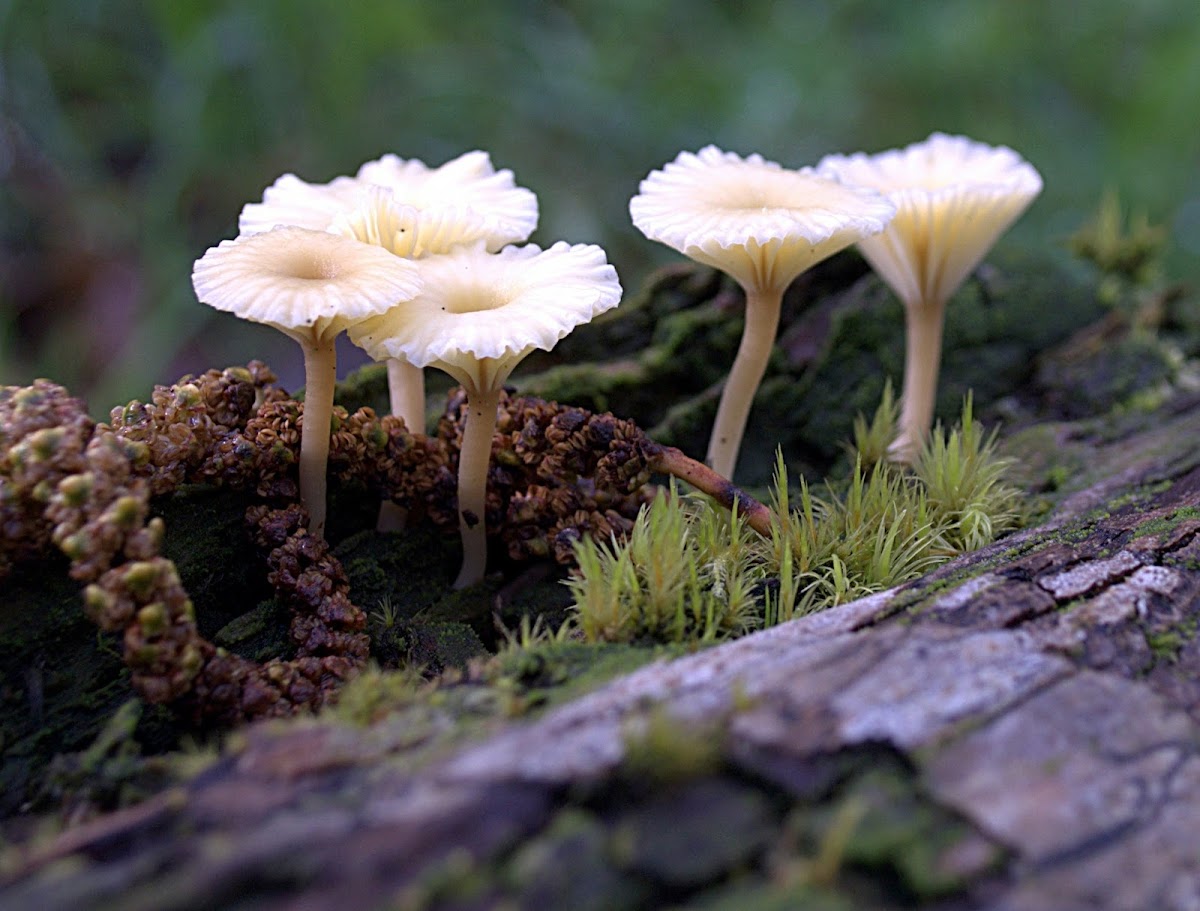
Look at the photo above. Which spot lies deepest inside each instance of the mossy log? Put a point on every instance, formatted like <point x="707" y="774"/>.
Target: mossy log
<point x="900" y="751"/>
<point x="1018" y="730"/>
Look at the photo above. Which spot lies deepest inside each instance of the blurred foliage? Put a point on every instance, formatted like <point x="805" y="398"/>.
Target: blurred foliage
<point x="132" y="131"/>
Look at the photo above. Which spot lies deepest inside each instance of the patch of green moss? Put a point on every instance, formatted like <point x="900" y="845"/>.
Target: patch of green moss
<point x="899" y="835"/>
<point x="1167" y="523"/>
<point x="411" y="571"/>
<point x="1167" y="644"/>
<point x="366" y="387"/>
<point x="551" y="673"/>
<point x="660" y="750"/>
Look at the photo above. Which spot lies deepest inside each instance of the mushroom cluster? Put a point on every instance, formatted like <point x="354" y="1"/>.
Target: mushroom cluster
<point x="763" y="224"/>
<point x="417" y="264"/>
<point x="414" y="260"/>
<point x="412" y="211"/>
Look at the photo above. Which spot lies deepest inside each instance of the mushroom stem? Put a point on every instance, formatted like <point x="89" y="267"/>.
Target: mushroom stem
<point x="320" y="376"/>
<point x="922" y="359"/>
<point x="473" y="460"/>
<point x="672" y="461"/>
<point x="758" y="339"/>
<point x="406" y="389"/>
<point x="406" y="392"/>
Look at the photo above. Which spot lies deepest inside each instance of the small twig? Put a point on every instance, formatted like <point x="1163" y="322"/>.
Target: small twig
<point x="672" y="461"/>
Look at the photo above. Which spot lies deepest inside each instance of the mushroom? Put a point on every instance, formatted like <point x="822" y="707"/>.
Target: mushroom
<point x="764" y="225"/>
<point x="411" y="210"/>
<point x="954" y="198"/>
<point x="477" y="316"/>
<point x="310" y="285"/>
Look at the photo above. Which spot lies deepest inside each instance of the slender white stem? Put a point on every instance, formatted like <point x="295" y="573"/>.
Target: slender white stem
<point x="922" y="361"/>
<point x="473" y="461"/>
<point x="406" y="389"/>
<point x="758" y="339"/>
<point x="406" y="392"/>
<point x="320" y="376"/>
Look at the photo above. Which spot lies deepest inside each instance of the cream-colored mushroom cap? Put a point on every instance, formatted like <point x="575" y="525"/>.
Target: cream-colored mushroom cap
<point x="405" y="206"/>
<point x="304" y="282"/>
<point x="760" y="222"/>
<point x="499" y="212"/>
<point x="954" y="198"/>
<point x="292" y="201"/>
<point x="478" y="306"/>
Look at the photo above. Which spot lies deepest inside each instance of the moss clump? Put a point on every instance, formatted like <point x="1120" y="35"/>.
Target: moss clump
<point x="688" y="572"/>
<point x="685" y="572"/>
<point x="660" y="751"/>
<point x="885" y="827"/>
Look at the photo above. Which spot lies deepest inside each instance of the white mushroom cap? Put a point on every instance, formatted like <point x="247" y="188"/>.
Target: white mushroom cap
<point x="476" y="306"/>
<point x="954" y="198"/>
<point x="405" y="206"/>
<point x="760" y="222"/>
<point x="503" y="213"/>
<point x="292" y="201"/>
<point x="310" y="284"/>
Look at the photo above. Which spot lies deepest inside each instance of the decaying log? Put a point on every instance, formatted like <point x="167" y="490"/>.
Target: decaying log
<point x="1040" y="698"/>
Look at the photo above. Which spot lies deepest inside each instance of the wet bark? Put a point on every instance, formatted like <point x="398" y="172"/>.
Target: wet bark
<point x="1027" y="718"/>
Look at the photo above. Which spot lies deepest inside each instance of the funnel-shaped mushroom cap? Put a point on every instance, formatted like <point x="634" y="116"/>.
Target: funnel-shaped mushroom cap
<point x="954" y="198"/>
<point x="307" y="283"/>
<point x="405" y="206"/>
<point x="486" y="308"/>
<point x="760" y="222"/>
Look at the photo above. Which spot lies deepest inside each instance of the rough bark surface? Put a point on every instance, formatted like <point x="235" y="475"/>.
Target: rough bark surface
<point x="1040" y="697"/>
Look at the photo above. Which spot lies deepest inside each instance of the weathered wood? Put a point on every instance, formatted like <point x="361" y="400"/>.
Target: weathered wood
<point x="1041" y="698"/>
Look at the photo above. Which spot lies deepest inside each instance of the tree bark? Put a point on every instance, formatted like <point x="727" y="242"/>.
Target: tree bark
<point x="1034" y="705"/>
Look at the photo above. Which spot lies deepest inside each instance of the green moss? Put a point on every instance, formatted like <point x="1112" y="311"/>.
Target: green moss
<point x="1167" y="523"/>
<point x="552" y="673"/>
<point x="1167" y="644"/>
<point x="1130" y="250"/>
<point x="375" y="693"/>
<point x="660" y="750"/>
<point x="688" y="572"/>
<point x="206" y="538"/>
<point x="898" y="833"/>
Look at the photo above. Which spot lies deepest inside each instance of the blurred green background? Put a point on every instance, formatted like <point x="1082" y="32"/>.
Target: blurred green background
<point x="132" y="131"/>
